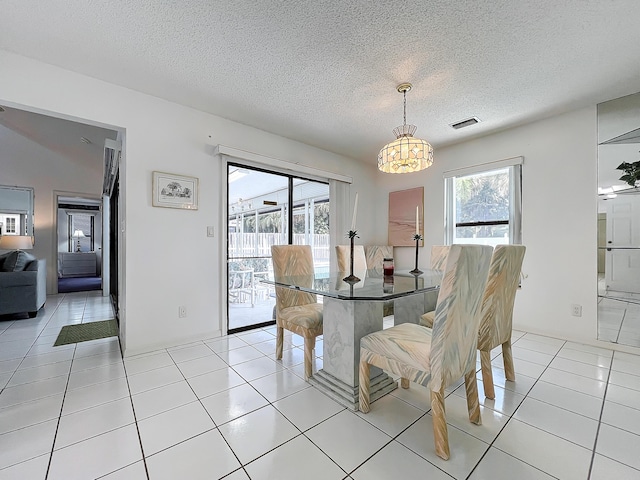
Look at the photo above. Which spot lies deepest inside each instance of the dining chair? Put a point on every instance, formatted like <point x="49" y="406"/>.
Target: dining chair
<point x="436" y="357"/>
<point x="343" y="253"/>
<point x="242" y="285"/>
<point x="438" y="256"/>
<point x="436" y="262"/>
<point x="296" y="311"/>
<point x="375" y="255"/>
<point x="497" y="312"/>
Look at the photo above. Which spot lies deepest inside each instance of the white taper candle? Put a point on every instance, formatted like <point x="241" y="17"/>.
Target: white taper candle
<point x="417" y="221"/>
<point x="355" y="210"/>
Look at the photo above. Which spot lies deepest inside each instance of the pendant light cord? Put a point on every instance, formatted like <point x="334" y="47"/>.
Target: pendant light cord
<point x="405" y="107"/>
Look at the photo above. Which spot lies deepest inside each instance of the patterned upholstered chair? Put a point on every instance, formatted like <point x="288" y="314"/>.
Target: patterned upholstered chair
<point x="497" y="312"/>
<point x="298" y="312"/>
<point x="438" y="256"/>
<point x="436" y="262"/>
<point x="369" y="257"/>
<point x="375" y="255"/>
<point x="343" y="253"/>
<point x="436" y="357"/>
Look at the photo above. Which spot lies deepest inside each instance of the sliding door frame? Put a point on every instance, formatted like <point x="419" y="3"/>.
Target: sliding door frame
<point x="290" y="176"/>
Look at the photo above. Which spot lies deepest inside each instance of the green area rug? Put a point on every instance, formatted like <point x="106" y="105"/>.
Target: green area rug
<point x="83" y="332"/>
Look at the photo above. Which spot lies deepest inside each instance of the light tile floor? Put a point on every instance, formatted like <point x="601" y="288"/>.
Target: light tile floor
<point x="225" y="408"/>
<point x="618" y="316"/>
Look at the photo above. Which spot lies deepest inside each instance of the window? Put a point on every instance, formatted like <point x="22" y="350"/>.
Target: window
<point x="10" y="225"/>
<point x="83" y="222"/>
<point x="484" y="204"/>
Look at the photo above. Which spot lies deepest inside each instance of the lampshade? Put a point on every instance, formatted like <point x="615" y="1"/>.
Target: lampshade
<point x="16" y="242"/>
<point x="78" y="233"/>
<point x="406" y="154"/>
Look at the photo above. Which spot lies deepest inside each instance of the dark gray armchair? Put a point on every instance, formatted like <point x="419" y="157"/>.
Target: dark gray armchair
<point x="23" y="283"/>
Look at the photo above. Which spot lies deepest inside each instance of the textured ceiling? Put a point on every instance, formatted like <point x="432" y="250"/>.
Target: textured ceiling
<point x="325" y="72"/>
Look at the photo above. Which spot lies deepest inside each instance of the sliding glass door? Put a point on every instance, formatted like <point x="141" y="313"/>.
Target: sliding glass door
<point x="268" y="208"/>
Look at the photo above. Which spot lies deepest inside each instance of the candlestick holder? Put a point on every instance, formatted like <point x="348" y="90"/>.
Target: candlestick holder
<point x="351" y="278"/>
<point x="417" y="238"/>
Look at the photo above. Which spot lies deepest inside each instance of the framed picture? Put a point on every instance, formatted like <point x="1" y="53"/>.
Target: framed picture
<point x="406" y="211"/>
<point x="175" y="191"/>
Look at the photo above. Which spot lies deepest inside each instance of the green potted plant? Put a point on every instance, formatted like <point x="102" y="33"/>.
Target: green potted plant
<point x="631" y="172"/>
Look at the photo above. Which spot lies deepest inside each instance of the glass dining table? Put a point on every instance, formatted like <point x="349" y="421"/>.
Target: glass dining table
<point x="353" y="310"/>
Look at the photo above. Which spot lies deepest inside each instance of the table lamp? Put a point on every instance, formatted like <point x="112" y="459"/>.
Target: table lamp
<point x="16" y="242"/>
<point x="77" y="235"/>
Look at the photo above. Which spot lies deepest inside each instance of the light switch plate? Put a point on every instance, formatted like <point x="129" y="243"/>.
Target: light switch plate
<point x="210" y="231"/>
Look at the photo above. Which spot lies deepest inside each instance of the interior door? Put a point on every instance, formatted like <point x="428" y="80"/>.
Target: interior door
<point x="622" y="258"/>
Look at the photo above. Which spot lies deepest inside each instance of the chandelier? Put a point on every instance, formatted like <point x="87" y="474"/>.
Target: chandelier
<point x="406" y="154"/>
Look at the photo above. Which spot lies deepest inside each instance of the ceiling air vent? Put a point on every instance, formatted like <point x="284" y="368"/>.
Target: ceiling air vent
<point x="465" y="123"/>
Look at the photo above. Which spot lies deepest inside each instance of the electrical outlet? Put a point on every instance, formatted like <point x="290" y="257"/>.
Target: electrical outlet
<point x="182" y="311"/>
<point x="576" y="310"/>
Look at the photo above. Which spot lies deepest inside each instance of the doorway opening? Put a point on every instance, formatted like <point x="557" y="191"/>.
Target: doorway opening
<point x="79" y="243"/>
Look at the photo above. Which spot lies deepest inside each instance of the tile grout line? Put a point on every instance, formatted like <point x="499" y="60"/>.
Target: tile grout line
<point x="199" y="400"/>
<point x="32" y="345"/>
<point x="135" y="418"/>
<point x="302" y="433"/>
<point x="511" y="417"/>
<point x="58" y="423"/>
<point x="269" y="403"/>
<point x="621" y="323"/>
<point x="604" y="399"/>
<point x="66" y="388"/>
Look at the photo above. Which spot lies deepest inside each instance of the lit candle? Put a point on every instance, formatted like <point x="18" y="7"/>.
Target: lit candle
<point x="417" y="221"/>
<point x="355" y="209"/>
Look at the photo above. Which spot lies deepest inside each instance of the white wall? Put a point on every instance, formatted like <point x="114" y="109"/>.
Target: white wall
<point x="559" y="216"/>
<point x="28" y="164"/>
<point x="168" y="259"/>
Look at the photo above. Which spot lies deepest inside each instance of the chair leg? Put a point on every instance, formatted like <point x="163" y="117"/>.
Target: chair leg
<point x="509" y="370"/>
<point x="363" y="387"/>
<point x="309" y="347"/>
<point x="279" y="342"/>
<point x="473" y="403"/>
<point x="404" y="382"/>
<point x="487" y="374"/>
<point x="440" y="433"/>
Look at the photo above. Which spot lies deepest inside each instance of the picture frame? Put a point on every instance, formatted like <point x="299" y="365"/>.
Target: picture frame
<point x="402" y="216"/>
<point x="175" y="191"/>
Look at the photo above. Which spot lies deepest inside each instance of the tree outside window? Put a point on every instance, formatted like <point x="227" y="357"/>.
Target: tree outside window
<point x="484" y="206"/>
